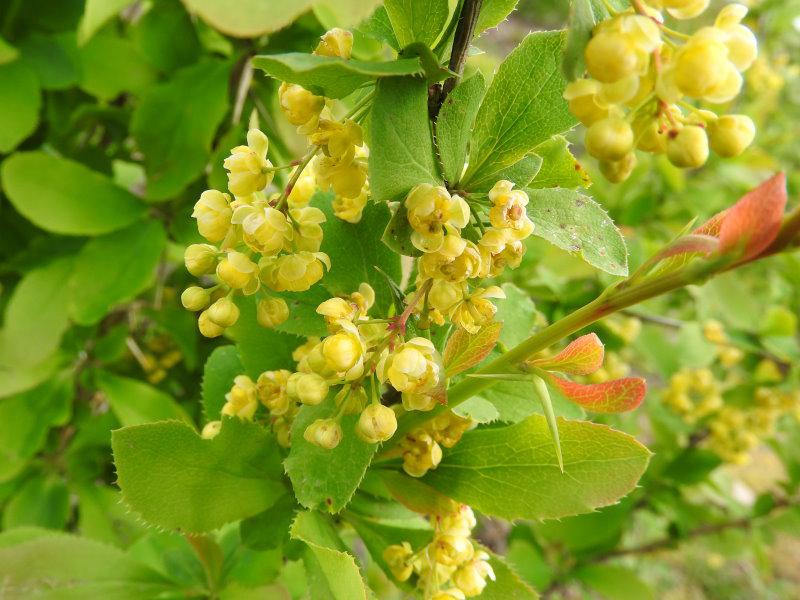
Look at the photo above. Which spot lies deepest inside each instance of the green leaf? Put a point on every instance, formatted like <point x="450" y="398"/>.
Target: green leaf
<point x="419" y="20"/>
<point x="268" y="529"/>
<point x="559" y="167"/>
<point x="54" y="58"/>
<point x="337" y="573"/>
<point x="379" y="27"/>
<point x="175" y="124"/>
<point x="576" y="223"/>
<point x="96" y="14"/>
<point x="581" y="23"/>
<point x="416" y="495"/>
<point x="327" y="479"/>
<point x="8" y="52"/>
<point x="103" y="517"/>
<point x="515" y="401"/>
<point x="221" y="367"/>
<point x="465" y="350"/>
<point x="21" y="99"/>
<point x="507" y="584"/>
<point x="512" y="472"/>
<point x="521" y="173"/>
<point x="36" y="312"/>
<point x="248" y="18"/>
<point x="477" y="409"/>
<point x="261" y="349"/>
<point x="113" y="65"/>
<point x="454" y="124"/>
<point x="56" y="565"/>
<point x="355" y="250"/>
<point x="517" y="313"/>
<point x="303" y="318"/>
<point x="62" y="196"/>
<point x="135" y="402"/>
<point x="402" y="154"/>
<point x="330" y="76"/>
<point x="344" y="13"/>
<point x="522" y="108"/>
<point x="614" y="582"/>
<point x="43" y="501"/>
<point x="113" y="269"/>
<point x="494" y="12"/>
<point x="378" y="533"/>
<point x="177" y="480"/>
<point x="167" y="37"/>
<point x="26" y="418"/>
<point x="549" y="414"/>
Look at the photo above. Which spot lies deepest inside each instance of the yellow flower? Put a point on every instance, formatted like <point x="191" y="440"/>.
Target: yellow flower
<point x="582" y="95"/>
<point x="223" y="312"/>
<point x="454" y="268"/>
<point x="508" y="210"/>
<point x="336" y="42"/>
<point x="293" y="272"/>
<point x="471" y="577"/>
<point x="685" y="9"/>
<point x="398" y="557"/>
<point x="688" y="147"/>
<point x="306" y="223"/>
<point x="475" y="310"/>
<point x="609" y="139"/>
<point x="343" y="352"/>
<point x="430" y="208"/>
<point x="301" y="352"/>
<point x="325" y="433"/>
<point x="415" y="369"/>
<point x="248" y="167"/>
<point x="241" y="400"/>
<point x="452" y="550"/>
<point x="377" y="423"/>
<point x="336" y="310"/>
<point x="213" y="213"/>
<point x="421" y="453"/>
<point x="207" y="327"/>
<point x="445" y="294"/>
<point x="617" y="171"/>
<point x="346" y="174"/>
<point x="621" y="47"/>
<point x="730" y="135"/>
<point x="195" y="298"/>
<point x="271" y="387"/>
<point x="303" y="188"/>
<point x="265" y="229"/>
<point x="351" y="209"/>
<point x="211" y="430"/>
<point x="200" y="259"/>
<point x="308" y="388"/>
<point x="239" y="272"/>
<point x="741" y="42"/>
<point x="337" y="138"/>
<point x="301" y="107"/>
<point x="271" y="311"/>
<point x="449" y="594"/>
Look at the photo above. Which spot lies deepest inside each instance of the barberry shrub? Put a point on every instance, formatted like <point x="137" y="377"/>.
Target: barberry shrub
<point x="375" y="379"/>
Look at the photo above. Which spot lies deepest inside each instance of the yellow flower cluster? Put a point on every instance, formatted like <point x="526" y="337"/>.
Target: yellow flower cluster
<point x="342" y="165"/>
<point x="450" y="567"/>
<point x="728" y="354"/>
<point x="258" y="247"/>
<point x="450" y="261"/>
<point x="736" y="431"/>
<point x="422" y="448"/>
<point x="641" y="72"/>
<point x="694" y="394"/>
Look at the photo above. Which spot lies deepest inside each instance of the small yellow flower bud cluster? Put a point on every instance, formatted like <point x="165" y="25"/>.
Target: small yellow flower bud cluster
<point x="728" y="354"/>
<point x="422" y="448"/>
<point x="449" y="261"/>
<point x="639" y="73"/>
<point x="449" y="567"/>
<point x="342" y="165"/>
<point x="694" y="394"/>
<point x="160" y="355"/>
<point x="259" y="246"/>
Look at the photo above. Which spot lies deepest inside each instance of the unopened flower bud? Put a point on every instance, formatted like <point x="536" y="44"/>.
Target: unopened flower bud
<point x="207" y="327"/>
<point x="223" y="312"/>
<point x="325" y="433"/>
<point x="618" y="171"/>
<point x="688" y="148"/>
<point x="336" y="42"/>
<point x="308" y="388"/>
<point x="200" y="259"/>
<point x="271" y="311"/>
<point x="398" y="557"/>
<point x="377" y="423"/>
<point x="730" y="135"/>
<point x="211" y="430"/>
<point x="195" y="298"/>
<point x="609" y="139"/>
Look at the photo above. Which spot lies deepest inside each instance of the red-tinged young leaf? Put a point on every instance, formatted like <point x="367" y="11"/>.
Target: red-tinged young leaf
<point x="465" y="350"/>
<point x="620" y="395"/>
<point x="582" y="356"/>
<point x="695" y="243"/>
<point x="755" y="220"/>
